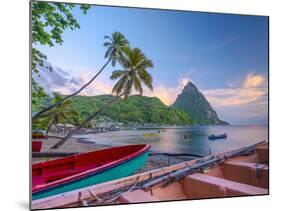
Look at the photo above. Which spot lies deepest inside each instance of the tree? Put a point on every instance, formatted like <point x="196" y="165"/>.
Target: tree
<point x="64" y="113"/>
<point x="131" y="77"/>
<point x="116" y="44"/>
<point x="49" y="20"/>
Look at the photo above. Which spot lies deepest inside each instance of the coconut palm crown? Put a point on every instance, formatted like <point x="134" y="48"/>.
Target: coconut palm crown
<point x="135" y="72"/>
<point x="115" y="45"/>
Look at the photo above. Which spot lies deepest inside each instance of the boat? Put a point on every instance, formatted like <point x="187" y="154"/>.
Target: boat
<point x="39" y="134"/>
<point x="150" y="135"/>
<point x="214" y="137"/>
<point x="81" y="170"/>
<point x="240" y="172"/>
<point x="36" y="146"/>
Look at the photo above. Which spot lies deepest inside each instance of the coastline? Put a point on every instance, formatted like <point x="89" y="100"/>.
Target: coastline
<point x="80" y="145"/>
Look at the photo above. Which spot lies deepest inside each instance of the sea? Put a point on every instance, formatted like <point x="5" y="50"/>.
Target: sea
<point x="191" y="139"/>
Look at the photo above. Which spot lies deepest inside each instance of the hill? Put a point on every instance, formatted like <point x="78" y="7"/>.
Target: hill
<point x="194" y="103"/>
<point x="136" y="109"/>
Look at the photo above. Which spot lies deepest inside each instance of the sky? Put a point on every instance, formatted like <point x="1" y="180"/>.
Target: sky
<point x="225" y="56"/>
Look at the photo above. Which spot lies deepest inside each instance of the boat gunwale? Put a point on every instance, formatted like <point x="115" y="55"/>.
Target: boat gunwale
<point x="71" y="196"/>
<point x="84" y="174"/>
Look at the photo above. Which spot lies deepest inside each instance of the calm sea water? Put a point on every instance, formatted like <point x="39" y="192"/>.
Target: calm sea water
<point x="173" y="141"/>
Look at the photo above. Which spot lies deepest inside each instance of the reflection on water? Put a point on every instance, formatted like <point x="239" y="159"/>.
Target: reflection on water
<point x="174" y="140"/>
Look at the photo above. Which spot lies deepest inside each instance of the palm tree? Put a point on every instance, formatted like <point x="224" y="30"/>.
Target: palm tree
<point x="63" y="113"/>
<point x="131" y="77"/>
<point x="115" y="46"/>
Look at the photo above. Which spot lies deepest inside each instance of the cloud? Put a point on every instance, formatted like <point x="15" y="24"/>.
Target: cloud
<point x="168" y="94"/>
<point x="253" y="90"/>
<point x="65" y="83"/>
<point x="253" y="80"/>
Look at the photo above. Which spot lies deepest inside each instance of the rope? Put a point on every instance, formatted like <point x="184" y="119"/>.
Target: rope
<point x="119" y="194"/>
<point x="93" y="194"/>
<point x="101" y="201"/>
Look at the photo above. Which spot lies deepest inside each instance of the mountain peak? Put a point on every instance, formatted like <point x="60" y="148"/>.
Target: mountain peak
<point x="190" y="87"/>
<point x="194" y="103"/>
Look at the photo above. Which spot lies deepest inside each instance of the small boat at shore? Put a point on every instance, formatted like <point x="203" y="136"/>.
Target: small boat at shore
<point x="82" y="170"/>
<point x="221" y="136"/>
<point x="36" y="146"/>
<point x="39" y="134"/>
<point x="241" y="172"/>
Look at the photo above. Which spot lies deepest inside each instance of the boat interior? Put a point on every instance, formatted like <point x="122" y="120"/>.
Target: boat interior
<point x="46" y="172"/>
<point x="239" y="176"/>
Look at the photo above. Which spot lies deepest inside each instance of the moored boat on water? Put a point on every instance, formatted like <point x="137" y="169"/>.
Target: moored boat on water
<point x="82" y="170"/>
<point x="221" y="136"/>
<point x="240" y="172"/>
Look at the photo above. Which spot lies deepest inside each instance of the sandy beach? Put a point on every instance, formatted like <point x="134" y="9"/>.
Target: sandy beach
<point x="80" y="145"/>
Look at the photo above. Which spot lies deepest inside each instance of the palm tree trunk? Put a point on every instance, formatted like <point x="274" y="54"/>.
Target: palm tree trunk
<point x="72" y="132"/>
<point x="49" y="127"/>
<point x="69" y="96"/>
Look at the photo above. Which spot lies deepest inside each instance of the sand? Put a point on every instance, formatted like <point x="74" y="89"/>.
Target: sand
<point x="80" y="145"/>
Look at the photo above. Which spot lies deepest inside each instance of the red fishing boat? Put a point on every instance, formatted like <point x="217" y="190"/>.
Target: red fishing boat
<point x="36" y="146"/>
<point x="81" y="170"/>
<point x="37" y="136"/>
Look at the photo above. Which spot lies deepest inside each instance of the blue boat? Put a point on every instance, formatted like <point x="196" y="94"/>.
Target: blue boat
<point x="221" y="136"/>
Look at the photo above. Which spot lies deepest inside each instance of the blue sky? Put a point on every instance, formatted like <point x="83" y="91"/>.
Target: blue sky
<point x="226" y="56"/>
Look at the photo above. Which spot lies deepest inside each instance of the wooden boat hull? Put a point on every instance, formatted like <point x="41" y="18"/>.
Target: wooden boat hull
<point x="241" y="175"/>
<point x="122" y="169"/>
<point x="36" y="146"/>
<point x="39" y="134"/>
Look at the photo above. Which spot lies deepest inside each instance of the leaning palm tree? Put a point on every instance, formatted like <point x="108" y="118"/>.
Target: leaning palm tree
<point x="115" y="46"/>
<point x="130" y="78"/>
<point x="62" y="113"/>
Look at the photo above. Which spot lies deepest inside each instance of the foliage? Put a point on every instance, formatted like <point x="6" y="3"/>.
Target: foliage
<point x="49" y="20"/>
<point x="116" y="46"/>
<point x="37" y="95"/>
<point x="133" y="74"/>
<point x="136" y="109"/>
<point x="64" y="113"/>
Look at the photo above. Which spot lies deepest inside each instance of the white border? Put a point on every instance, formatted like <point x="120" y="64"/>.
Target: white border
<point x="15" y="102"/>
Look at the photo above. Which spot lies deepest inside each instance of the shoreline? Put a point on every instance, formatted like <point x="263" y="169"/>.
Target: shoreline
<point x="81" y="145"/>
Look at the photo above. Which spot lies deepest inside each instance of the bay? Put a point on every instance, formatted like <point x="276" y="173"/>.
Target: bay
<point x="193" y="139"/>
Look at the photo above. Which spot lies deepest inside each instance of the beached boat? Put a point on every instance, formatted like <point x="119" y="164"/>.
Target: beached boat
<point x="82" y="170"/>
<point x="39" y="134"/>
<point x="221" y="136"/>
<point x="240" y="172"/>
<point x="36" y="146"/>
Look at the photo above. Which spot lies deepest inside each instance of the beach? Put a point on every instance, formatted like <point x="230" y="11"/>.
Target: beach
<point x="81" y="145"/>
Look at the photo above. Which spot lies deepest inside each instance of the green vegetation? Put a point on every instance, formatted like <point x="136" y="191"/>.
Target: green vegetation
<point x="64" y="113"/>
<point x="49" y="20"/>
<point x="136" y="109"/>
<point x="134" y="73"/>
<point x="115" y="46"/>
